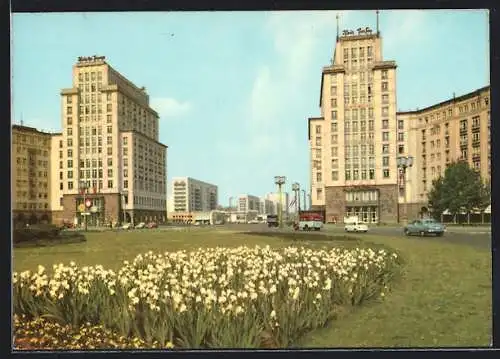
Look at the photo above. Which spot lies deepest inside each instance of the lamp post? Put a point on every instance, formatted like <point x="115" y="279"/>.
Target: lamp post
<point x="123" y="206"/>
<point x="280" y="181"/>
<point x="83" y="189"/>
<point x="296" y="190"/>
<point x="404" y="162"/>
<point x="305" y="202"/>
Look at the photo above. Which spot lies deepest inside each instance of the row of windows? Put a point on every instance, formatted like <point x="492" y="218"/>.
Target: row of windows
<point x="31" y="139"/>
<point x="41" y="195"/>
<point x="25" y="205"/>
<point x="462" y="109"/>
<point x="355" y="175"/>
<point x="355" y="51"/>
<point x="88" y="76"/>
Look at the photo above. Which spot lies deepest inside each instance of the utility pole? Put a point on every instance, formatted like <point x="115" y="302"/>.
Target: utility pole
<point x="280" y="181"/>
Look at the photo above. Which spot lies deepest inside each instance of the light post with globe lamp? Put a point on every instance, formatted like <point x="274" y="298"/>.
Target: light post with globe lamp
<point x="404" y="162"/>
<point x="280" y="181"/>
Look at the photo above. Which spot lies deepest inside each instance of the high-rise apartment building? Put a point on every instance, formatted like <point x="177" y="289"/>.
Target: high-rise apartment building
<point x="192" y="195"/>
<point x="30" y="175"/>
<point x="353" y="144"/>
<point x="109" y="154"/>
<point x="455" y="129"/>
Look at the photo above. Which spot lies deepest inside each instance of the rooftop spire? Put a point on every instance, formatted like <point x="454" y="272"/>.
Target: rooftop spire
<point x="378" y="32"/>
<point x="337" y="17"/>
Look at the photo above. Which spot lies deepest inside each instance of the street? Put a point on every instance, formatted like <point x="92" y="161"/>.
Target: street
<point x="479" y="237"/>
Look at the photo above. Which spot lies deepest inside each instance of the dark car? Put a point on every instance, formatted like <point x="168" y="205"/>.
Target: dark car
<point x="272" y="220"/>
<point x="425" y="227"/>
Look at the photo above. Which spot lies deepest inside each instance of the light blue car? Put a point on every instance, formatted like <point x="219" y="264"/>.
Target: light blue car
<point x="425" y="227"/>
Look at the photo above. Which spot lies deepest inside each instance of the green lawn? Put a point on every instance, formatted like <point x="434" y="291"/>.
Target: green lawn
<point x="444" y="298"/>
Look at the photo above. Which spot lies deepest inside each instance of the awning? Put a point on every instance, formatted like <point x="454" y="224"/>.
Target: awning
<point x="488" y="209"/>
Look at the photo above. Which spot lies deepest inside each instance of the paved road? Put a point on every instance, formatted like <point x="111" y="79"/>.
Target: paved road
<point x="479" y="237"/>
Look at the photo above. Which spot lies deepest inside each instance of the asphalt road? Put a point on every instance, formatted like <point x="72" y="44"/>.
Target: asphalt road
<point x="478" y="237"/>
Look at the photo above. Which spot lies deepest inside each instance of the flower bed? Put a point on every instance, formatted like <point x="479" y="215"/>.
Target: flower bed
<point x="210" y="298"/>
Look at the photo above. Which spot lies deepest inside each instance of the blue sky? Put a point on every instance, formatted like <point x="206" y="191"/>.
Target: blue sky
<point x="234" y="89"/>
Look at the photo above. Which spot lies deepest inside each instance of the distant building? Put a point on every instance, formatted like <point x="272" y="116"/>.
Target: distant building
<point x="247" y="203"/>
<point x="266" y="206"/>
<point x="30" y="175"/>
<point x="192" y="195"/>
<point x="275" y="199"/>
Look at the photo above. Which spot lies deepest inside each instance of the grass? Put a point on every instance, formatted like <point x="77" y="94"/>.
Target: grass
<point x="443" y="299"/>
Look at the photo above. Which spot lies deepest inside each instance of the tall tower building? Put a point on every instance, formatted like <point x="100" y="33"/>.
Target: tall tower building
<point x="353" y="144"/>
<point x="109" y="155"/>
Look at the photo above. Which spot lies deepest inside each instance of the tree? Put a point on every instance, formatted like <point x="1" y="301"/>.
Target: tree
<point x="460" y="190"/>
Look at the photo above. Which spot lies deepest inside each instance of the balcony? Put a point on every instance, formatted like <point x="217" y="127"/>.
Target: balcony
<point x="476" y="142"/>
<point x="463" y="130"/>
<point x="476" y="157"/>
<point x="476" y="128"/>
<point x="463" y="144"/>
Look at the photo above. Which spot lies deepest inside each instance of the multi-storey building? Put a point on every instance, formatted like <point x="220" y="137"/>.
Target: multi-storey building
<point x="247" y="202"/>
<point x="109" y="154"/>
<point x="266" y="206"/>
<point x="455" y="129"/>
<point x="353" y="144"/>
<point x="30" y="175"/>
<point x="191" y="195"/>
<point x="275" y="199"/>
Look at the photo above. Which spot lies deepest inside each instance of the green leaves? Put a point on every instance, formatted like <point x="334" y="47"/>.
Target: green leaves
<point x="460" y="190"/>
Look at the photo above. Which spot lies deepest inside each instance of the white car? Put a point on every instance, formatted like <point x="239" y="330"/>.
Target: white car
<point x="356" y="227"/>
<point x="127" y="226"/>
<point x="253" y="221"/>
<point x="140" y="225"/>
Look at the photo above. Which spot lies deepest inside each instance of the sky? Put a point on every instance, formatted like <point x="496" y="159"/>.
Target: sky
<point x="234" y="90"/>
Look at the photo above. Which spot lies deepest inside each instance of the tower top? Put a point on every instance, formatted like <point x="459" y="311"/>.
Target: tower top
<point x="378" y="31"/>
<point x="337" y="17"/>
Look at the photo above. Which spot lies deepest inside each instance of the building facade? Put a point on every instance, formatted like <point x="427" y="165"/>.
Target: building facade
<point x="191" y="195"/>
<point x="30" y="175"/>
<point x="110" y="164"/>
<point x="354" y="143"/>
<point x="247" y="203"/>
<point x="275" y="199"/>
<point x="455" y="129"/>
<point x="266" y="206"/>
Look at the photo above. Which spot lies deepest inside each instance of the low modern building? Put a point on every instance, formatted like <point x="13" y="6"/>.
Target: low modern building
<point x="192" y="195"/>
<point x="31" y="175"/>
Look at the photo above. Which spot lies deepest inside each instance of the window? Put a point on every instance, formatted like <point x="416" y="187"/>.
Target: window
<point x="108" y="119"/>
<point x="334" y="126"/>
<point x="385" y="98"/>
<point x="318" y="177"/>
<point x="385" y="111"/>
<point x="110" y="129"/>
<point x="384" y="74"/>
<point x="70" y="142"/>
<point x="400" y="124"/>
<point x="386" y="173"/>
<point x="370" y="113"/>
<point x="318" y="143"/>
<point x="110" y="162"/>
<point x="335" y="175"/>
<point x="110" y="172"/>
<point x="385" y="124"/>
<point x="369" y="51"/>
<point x="333" y="90"/>
<point x="385" y="161"/>
<point x="70" y="174"/>
<point x="335" y="163"/>
<point x="334" y="115"/>
<point x="108" y="107"/>
<point x="385" y="136"/>
<point x="385" y="86"/>
<point x="347" y="175"/>
<point x="110" y="151"/>
<point x="371" y="173"/>
<point x="355" y="175"/>
<point x="334" y="102"/>
<point x="110" y="183"/>
<point x="125" y="184"/>
<point x="70" y="153"/>
<point x="318" y="153"/>
<point x="401" y="136"/>
<point x="69" y="110"/>
<point x="318" y="129"/>
<point x="319" y="193"/>
<point x="125" y="173"/>
<point x="70" y="185"/>
<point x="401" y="149"/>
<point x="385" y="148"/>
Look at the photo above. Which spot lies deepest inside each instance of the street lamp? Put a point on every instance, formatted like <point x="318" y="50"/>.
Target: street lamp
<point x="124" y="194"/>
<point x="280" y="181"/>
<point x="305" y="202"/>
<point x="404" y="162"/>
<point x="83" y="190"/>
<point x="296" y="190"/>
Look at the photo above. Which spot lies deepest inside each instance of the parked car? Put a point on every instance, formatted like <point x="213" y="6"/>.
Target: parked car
<point x="425" y="227"/>
<point x="353" y="224"/>
<point x="126" y="226"/>
<point x="253" y="221"/>
<point x="151" y="225"/>
<point x="140" y="225"/>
